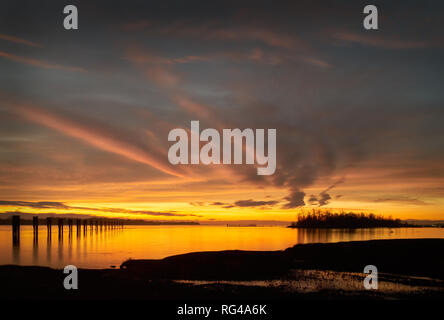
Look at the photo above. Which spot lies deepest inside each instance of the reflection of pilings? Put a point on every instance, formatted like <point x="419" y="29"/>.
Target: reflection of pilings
<point x="70" y="226"/>
<point x="35" y="246"/>
<point x="48" y="228"/>
<point x="48" y="238"/>
<point x="78" y="227"/>
<point x="91" y="226"/>
<point x="35" y="228"/>
<point x="16" y="239"/>
<point x="60" y="225"/>
<point x="85" y="225"/>
<point x="16" y="229"/>
<point x="60" y="240"/>
<point x="35" y="225"/>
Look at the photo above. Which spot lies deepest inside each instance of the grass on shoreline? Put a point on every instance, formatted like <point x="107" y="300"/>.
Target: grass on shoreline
<point x="326" y="219"/>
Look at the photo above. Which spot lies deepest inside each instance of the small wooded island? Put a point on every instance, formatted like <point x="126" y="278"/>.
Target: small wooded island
<point x="350" y="220"/>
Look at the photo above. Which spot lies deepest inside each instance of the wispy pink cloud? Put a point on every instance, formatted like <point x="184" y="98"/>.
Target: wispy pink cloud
<point x="93" y="136"/>
<point x="383" y="42"/>
<point x="196" y="109"/>
<point x="158" y="67"/>
<point x="39" y="63"/>
<point x="317" y="62"/>
<point x="162" y="76"/>
<point x="138" y="56"/>
<point x="269" y="37"/>
<point x="18" y="40"/>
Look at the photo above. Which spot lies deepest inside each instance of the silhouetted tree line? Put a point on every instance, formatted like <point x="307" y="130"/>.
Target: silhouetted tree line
<point x="327" y="219"/>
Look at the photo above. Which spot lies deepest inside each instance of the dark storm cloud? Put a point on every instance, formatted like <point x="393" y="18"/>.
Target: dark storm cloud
<point x="243" y="203"/>
<point x="313" y="199"/>
<point x="294" y="199"/>
<point x="252" y="203"/>
<point x="323" y="199"/>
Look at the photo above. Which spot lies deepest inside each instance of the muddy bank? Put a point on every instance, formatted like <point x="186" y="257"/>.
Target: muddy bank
<point x="418" y="257"/>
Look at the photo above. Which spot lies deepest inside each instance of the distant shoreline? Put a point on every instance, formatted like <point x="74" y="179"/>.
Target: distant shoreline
<point x="366" y="227"/>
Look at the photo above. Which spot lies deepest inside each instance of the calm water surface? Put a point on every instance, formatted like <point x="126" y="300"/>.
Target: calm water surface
<point x="102" y="249"/>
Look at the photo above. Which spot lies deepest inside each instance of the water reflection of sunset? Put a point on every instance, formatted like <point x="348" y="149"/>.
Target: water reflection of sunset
<point x="100" y="248"/>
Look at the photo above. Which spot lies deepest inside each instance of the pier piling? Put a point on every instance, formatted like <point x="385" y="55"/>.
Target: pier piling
<point x="35" y="227"/>
<point x="48" y="227"/>
<point x="35" y="224"/>
<point x="60" y="225"/>
<point x="15" y="229"/>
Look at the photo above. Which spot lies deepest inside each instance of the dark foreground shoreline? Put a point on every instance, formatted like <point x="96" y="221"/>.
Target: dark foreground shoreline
<point x="408" y="268"/>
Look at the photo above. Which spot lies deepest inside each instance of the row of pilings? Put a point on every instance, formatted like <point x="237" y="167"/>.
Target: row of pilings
<point x="98" y="224"/>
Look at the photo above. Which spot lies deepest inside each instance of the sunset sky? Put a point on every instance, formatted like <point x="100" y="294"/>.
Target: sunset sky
<point x="85" y="114"/>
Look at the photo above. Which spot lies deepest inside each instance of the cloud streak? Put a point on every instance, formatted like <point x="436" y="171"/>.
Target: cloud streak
<point x="39" y="63"/>
<point x="253" y="203"/>
<point x="249" y="203"/>
<point x="61" y="205"/>
<point x="402" y="199"/>
<point x="19" y="40"/>
<point x="383" y="42"/>
<point x="93" y="136"/>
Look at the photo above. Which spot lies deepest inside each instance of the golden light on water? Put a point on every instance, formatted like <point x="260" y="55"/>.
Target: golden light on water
<point x="98" y="248"/>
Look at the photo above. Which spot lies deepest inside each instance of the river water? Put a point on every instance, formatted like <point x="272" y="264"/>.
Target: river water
<point x="104" y="248"/>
